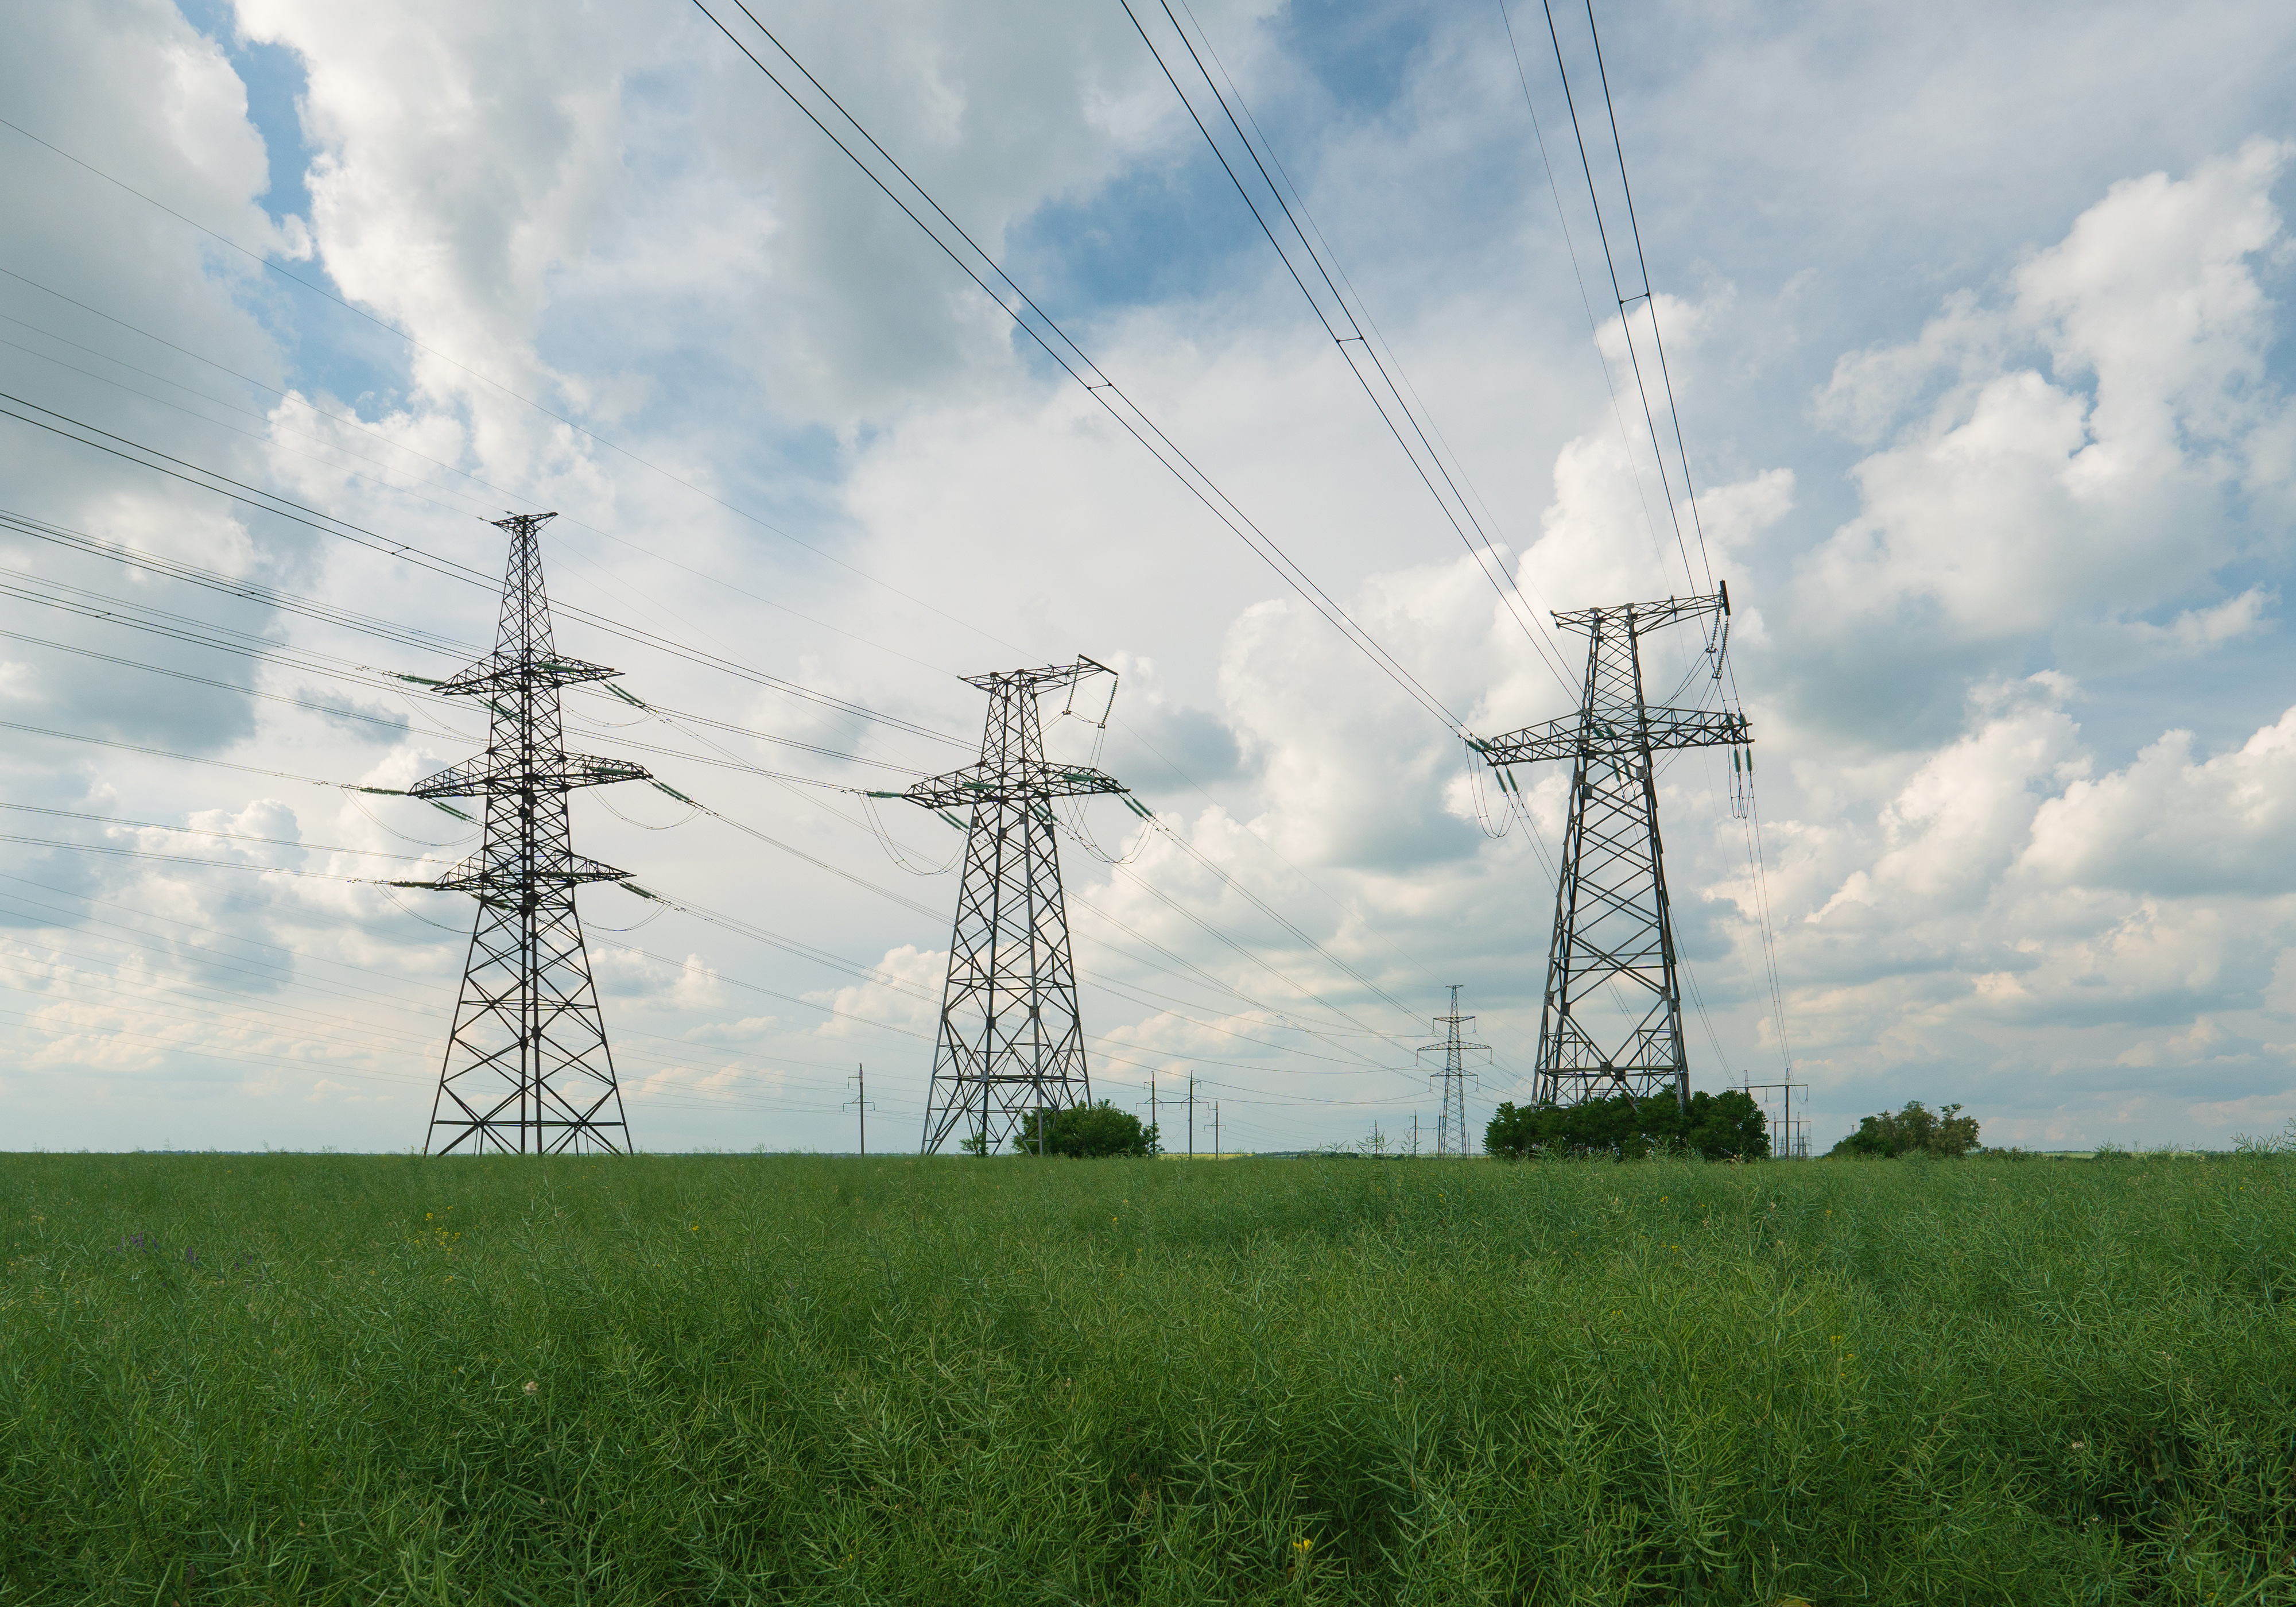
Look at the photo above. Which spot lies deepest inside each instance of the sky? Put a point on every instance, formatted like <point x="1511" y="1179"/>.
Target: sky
<point x="1976" y="327"/>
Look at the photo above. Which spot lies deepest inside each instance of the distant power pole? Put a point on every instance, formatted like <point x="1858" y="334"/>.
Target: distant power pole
<point x="1216" y="1138"/>
<point x="1612" y="923"/>
<point x="1794" y="1147"/>
<point x="859" y="1103"/>
<point x="1192" y="1116"/>
<point x="1010" y="1040"/>
<point x="1451" y="1127"/>
<point x="527" y="1070"/>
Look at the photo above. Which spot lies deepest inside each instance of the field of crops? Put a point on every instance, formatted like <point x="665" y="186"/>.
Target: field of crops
<point x="283" y="1379"/>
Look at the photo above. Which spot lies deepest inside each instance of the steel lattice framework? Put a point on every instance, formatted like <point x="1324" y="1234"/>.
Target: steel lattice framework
<point x="1451" y="1137"/>
<point x="1010" y="1040"/>
<point x="1613" y="925"/>
<point x="527" y="1069"/>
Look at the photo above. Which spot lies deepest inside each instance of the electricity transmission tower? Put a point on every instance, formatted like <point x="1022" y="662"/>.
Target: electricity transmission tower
<point x="1011" y="1041"/>
<point x="1613" y="930"/>
<point x="1451" y="1127"/>
<point x="527" y="1070"/>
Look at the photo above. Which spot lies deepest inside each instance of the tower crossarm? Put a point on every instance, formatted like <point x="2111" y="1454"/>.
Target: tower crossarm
<point x="1042" y="679"/>
<point x="509" y="672"/>
<point x="1599" y="735"/>
<point x="507" y="880"/>
<point x="1646" y="615"/>
<point x="1021" y="785"/>
<point x="508" y="772"/>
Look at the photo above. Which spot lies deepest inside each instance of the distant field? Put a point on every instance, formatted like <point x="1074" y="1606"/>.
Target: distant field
<point x="292" y="1379"/>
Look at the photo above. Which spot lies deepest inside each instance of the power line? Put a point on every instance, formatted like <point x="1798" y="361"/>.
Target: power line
<point x="128" y="554"/>
<point x="1264" y="908"/>
<point x="1444" y="714"/>
<point x="240" y="1057"/>
<point x="185" y="675"/>
<point x="1454" y="505"/>
<point x="269" y="439"/>
<point x="698" y="912"/>
<point x="1756" y="858"/>
<point x="1759" y="859"/>
<point x="187" y="628"/>
<point x="1650" y="301"/>
<point x="88" y="603"/>
<point x="232" y="586"/>
<point x="299" y="955"/>
<point x="1616" y="292"/>
<point x="1040" y="327"/>
<point x="115" y="851"/>
<point x="1253" y="832"/>
<point x="208" y="962"/>
<point x="264" y="262"/>
<point x="1246" y="954"/>
<point x="290" y="1018"/>
<point x="153" y="826"/>
<point x="1578" y="274"/>
<point x="303" y="955"/>
<point x="502" y="493"/>
<point x="190" y="473"/>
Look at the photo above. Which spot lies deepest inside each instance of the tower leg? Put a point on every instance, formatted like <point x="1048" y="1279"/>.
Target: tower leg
<point x="528" y="1069"/>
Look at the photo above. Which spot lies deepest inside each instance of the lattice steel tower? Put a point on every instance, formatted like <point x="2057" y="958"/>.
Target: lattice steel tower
<point x="1011" y="1041"/>
<point x="527" y="1070"/>
<point x="1451" y="1135"/>
<point x="1613" y="930"/>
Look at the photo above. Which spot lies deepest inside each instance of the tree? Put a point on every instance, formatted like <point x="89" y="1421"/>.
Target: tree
<point x="1728" y="1126"/>
<point x="1721" y="1127"/>
<point x="1915" y="1130"/>
<point x="1087" y="1132"/>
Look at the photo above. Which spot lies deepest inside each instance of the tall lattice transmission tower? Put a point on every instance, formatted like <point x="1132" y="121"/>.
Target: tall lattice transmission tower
<point x="1613" y="929"/>
<point x="1011" y="1041"/>
<point x="1451" y="1135"/>
<point x="527" y="1070"/>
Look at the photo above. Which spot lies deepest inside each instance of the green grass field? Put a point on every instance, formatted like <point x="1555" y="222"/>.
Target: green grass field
<point x="341" y="1379"/>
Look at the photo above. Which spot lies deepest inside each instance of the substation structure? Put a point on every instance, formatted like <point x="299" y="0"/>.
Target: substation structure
<point x="1011" y="1041"/>
<point x="1613" y="929"/>
<point x="527" y="1069"/>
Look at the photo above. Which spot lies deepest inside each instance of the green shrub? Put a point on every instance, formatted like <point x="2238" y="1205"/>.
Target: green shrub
<point x="1092" y="1132"/>
<point x="1915" y="1130"/>
<point x="1721" y="1127"/>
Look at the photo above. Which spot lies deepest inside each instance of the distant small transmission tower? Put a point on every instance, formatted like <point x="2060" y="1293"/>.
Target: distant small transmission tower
<point x="1011" y="1041"/>
<point x="527" y="1070"/>
<point x="1613" y="930"/>
<point x="1451" y="1137"/>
